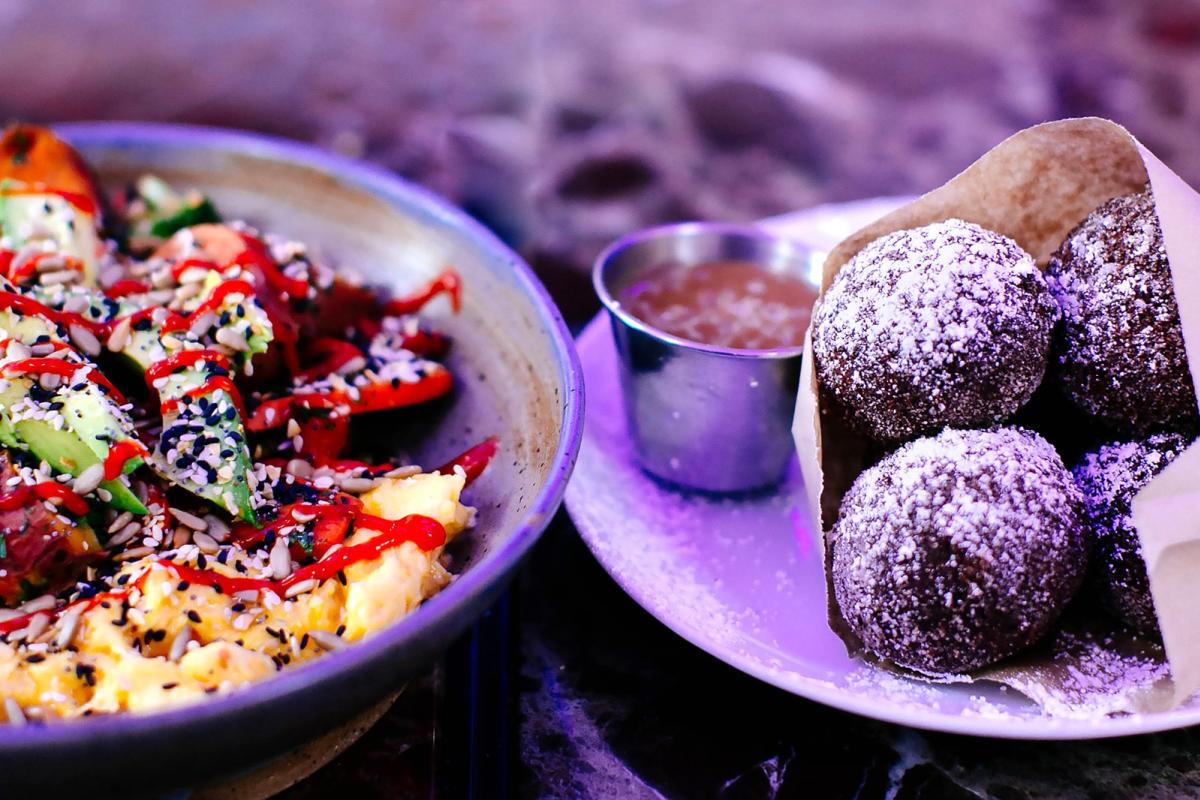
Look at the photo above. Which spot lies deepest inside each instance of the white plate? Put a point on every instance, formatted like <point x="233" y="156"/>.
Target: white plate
<point x="741" y="579"/>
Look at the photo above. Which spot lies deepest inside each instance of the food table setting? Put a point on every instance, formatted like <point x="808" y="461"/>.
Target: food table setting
<point x="706" y="617"/>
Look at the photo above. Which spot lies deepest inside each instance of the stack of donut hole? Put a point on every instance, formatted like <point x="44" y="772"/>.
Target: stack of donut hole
<point x="965" y="542"/>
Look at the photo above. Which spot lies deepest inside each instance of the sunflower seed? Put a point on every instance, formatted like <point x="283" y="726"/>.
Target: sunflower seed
<point x="206" y="543"/>
<point x="300" y="587"/>
<point x="37" y="626"/>
<point x="202" y="323"/>
<point x="87" y="481"/>
<point x="68" y="625"/>
<point x="357" y="485"/>
<point x="280" y="561"/>
<point x="134" y="553"/>
<point x="58" y="277"/>
<point x="121" y="521"/>
<point x="125" y="534"/>
<point x="119" y="336"/>
<point x="327" y="640"/>
<point x="217" y="528"/>
<point x="189" y="519"/>
<point x="232" y="339"/>
<point x="50" y="381"/>
<point x="84" y="339"/>
<point x="43" y="603"/>
<point x="13" y="712"/>
<point x="179" y="643"/>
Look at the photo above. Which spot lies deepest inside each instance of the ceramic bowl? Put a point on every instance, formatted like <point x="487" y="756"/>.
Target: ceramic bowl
<point x="518" y="378"/>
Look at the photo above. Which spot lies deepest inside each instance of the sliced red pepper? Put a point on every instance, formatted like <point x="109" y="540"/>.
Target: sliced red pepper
<point x="330" y="353"/>
<point x="474" y="460"/>
<point x="324" y="435"/>
<point x="374" y="397"/>
<point x="448" y="283"/>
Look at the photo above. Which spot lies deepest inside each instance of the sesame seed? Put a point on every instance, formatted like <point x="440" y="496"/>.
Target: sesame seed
<point x="293" y="428"/>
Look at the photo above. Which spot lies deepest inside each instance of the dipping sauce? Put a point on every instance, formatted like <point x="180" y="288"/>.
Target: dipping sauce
<point x="735" y="304"/>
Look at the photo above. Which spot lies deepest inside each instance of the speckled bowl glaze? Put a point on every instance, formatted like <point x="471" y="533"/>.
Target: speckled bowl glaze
<point x="518" y="378"/>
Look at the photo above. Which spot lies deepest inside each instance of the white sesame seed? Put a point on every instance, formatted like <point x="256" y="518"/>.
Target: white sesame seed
<point x="302" y="516"/>
<point x="293" y="428"/>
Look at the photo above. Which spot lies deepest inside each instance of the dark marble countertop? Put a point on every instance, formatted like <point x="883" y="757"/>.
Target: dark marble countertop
<point x="562" y="126"/>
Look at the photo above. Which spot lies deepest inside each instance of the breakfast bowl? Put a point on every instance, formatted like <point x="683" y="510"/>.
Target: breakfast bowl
<point x="517" y="379"/>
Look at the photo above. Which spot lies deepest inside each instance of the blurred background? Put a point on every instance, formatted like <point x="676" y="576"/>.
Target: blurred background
<point x="562" y="125"/>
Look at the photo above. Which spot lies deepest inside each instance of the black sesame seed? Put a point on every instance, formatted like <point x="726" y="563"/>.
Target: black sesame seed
<point x="193" y="615"/>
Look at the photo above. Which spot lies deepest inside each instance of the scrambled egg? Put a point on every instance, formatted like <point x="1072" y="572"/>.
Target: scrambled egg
<point x="124" y="665"/>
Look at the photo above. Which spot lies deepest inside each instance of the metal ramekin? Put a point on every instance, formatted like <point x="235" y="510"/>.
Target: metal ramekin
<point x="704" y="417"/>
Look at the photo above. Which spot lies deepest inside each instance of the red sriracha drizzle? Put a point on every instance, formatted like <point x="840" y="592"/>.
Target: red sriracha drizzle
<point x="81" y="201"/>
<point x="176" y="322"/>
<point x="47" y="490"/>
<point x="121" y="454"/>
<point x="26" y="305"/>
<point x="187" y="358"/>
<point x="449" y="283"/>
<point x="425" y="532"/>
<point x="125" y="287"/>
<point x="57" y="366"/>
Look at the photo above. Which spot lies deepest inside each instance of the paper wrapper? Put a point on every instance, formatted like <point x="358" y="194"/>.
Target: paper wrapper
<point x="1035" y="187"/>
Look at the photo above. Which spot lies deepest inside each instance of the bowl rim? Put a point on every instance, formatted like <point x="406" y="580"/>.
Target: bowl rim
<point x="472" y="585"/>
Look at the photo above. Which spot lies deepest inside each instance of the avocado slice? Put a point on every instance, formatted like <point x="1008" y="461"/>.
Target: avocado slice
<point x="90" y="421"/>
<point x="72" y="230"/>
<point x="190" y="414"/>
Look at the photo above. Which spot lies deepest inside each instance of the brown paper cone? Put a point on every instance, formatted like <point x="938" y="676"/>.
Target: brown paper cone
<point x="1034" y="188"/>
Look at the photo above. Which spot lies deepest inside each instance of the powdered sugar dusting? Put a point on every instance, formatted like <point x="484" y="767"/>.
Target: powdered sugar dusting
<point x="1120" y="349"/>
<point x="948" y="324"/>
<point x="960" y="549"/>
<point x="1109" y="478"/>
